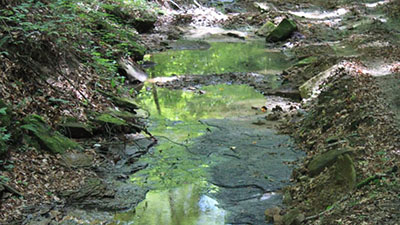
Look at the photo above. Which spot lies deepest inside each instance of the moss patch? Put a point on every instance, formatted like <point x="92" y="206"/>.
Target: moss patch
<point x="48" y="139"/>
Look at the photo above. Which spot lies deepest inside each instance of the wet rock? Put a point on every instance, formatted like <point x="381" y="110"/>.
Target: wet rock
<point x="267" y="28"/>
<point x="293" y="217"/>
<point x="77" y="159"/>
<point x="323" y="160"/>
<point x="47" y="138"/>
<point x="282" y="31"/>
<point x="262" y="6"/>
<point x="236" y="34"/>
<point x="76" y="130"/>
<point x="345" y="171"/>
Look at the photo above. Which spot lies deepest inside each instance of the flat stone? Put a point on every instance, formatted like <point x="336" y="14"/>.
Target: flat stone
<point x="319" y="162"/>
<point x="77" y="159"/>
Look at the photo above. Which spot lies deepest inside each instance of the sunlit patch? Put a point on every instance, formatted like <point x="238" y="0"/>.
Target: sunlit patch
<point x="320" y="14"/>
<point x="375" y="4"/>
<point x="267" y="196"/>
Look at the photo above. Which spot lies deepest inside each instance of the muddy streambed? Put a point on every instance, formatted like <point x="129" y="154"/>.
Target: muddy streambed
<point x="218" y="160"/>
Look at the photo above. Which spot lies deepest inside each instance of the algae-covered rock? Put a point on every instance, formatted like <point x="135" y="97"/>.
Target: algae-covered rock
<point x="76" y="130"/>
<point x="345" y="171"/>
<point x="48" y="139"/>
<point x="271" y="214"/>
<point x="318" y="164"/>
<point x="282" y="31"/>
<point x="266" y="29"/>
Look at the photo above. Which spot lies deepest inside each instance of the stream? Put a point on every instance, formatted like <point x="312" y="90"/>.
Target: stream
<point x="218" y="160"/>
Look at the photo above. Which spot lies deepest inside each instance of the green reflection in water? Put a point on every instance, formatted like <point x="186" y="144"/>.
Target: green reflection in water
<point x="177" y="120"/>
<point x="222" y="57"/>
<point x="180" y="206"/>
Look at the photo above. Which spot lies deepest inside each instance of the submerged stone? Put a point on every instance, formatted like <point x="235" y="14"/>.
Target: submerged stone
<point x="323" y="160"/>
<point x="282" y="31"/>
<point x="306" y="61"/>
<point x="48" y="139"/>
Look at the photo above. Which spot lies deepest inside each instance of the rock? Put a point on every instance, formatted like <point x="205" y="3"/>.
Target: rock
<point x="293" y="217"/>
<point x="236" y="34"/>
<point x="270" y="213"/>
<point x="310" y="88"/>
<point x="77" y="159"/>
<point x="76" y="130"/>
<point x="131" y="71"/>
<point x="319" y="162"/>
<point x="345" y="171"/>
<point x="111" y="120"/>
<point x="125" y="102"/>
<point x="266" y="29"/>
<point x="285" y="28"/>
<point x="47" y="138"/>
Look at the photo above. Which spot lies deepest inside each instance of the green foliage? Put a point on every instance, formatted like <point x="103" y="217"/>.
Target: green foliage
<point x="88" y="28"/>
<point x="4" y="136"/>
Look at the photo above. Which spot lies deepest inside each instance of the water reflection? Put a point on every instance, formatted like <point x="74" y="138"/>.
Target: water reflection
<point x="180" y="206"/>
<point x="221" y="57"/>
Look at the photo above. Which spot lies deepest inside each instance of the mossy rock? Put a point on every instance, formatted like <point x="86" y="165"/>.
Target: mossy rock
<point x="285" y="28"/>
<point x="345" y="171"/>
<point x="122" y="114"/>
<point x="48" y="139"/>
<point x="76" y="130"/>
<point x="318" y="164"/>
<point x="267" y="28"/>
<point x="109" y="119"/>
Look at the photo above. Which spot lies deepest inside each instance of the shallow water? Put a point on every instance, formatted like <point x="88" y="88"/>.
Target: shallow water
<point x="221" y="57"/>
<point x="215" y="163"/>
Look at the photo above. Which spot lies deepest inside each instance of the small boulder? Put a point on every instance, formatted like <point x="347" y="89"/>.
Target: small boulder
<point x="319" y="162"/>
<point x="285" y="28"/>
<point x="267" y="28"/>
